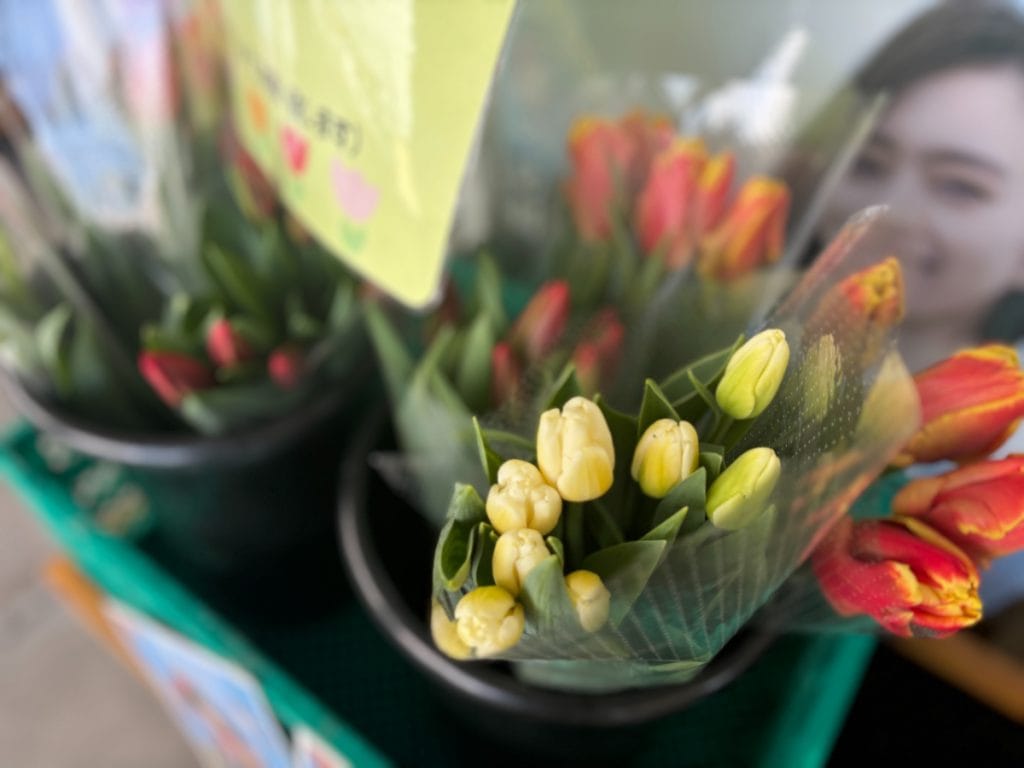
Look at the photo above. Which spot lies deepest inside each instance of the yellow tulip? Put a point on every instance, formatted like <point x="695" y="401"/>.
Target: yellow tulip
<point x="668" y="452"/>
<point x="489" y="621"/>
<point x="574" y="450"/>
<point x="742" y="491"/>
<point x="516" y="554"/>
<point x="521" y="499"/>
<point x="753" y="375"/>
<point x="590" y="597"/>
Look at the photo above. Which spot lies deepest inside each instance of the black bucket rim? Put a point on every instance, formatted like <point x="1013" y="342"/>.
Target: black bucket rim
<point x="477" y="682"/>
<point x="176" y="450"/>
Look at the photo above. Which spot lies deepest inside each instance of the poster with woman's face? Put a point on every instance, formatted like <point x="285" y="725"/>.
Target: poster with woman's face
<point x="946" y="157"/>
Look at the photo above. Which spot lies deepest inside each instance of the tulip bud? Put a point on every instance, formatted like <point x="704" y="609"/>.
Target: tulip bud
<point x="505" y="374"/>
<point x="819" y="377"/>
<point x="489" y="621"/>
<point x="752" y="233"/>
<point x="540" y="325"/>
<point x="575" y="451"/>
<point x="521" y="499"/>
<point x="741" y="492"/>
<point x="979" y="507"/>
<point x="173" y="375"/>
<point x="713" y="192"/>
<point x="970" y="404"/>
<point x="901" y="573"/>
<point x="597" y="354"/>
<point x="753" y="375"/>
<point x="516" y="553"/>
<point x="285" y="366"/>
<point x="665" y="210"/>
<point x="445" y="635"/>
<point x="860" y="310"/>
<point x="601" y="154"/>
<point x="224" y="345"/>
<point x="667" y="453"/>
<point x="590" y="597"/>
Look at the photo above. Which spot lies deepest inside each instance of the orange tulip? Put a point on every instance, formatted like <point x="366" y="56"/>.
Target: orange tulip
<point x="901" y="573"/>
<point x="601" y="154"/>
<point x="173" y="375"/>
<point x="970" y="404"/>
<point x="752" y="233"/>
<point x="666" y="209"/>
<point x="979" y="507"/>
<point x="540" y="325"/>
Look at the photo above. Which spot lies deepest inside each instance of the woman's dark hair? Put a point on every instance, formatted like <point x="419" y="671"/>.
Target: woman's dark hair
<point x="957" y="33"/>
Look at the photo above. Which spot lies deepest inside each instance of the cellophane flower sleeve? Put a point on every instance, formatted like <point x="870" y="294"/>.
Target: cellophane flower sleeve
<point x="788" y="428"/>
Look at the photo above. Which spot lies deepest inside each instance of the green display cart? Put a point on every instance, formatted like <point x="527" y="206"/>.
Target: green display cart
<point x="336" y="675"/>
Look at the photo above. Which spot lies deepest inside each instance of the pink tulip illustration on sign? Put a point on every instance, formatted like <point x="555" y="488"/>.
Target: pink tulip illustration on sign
<point x="357" y="198"/>
<point x="296" y="150"/>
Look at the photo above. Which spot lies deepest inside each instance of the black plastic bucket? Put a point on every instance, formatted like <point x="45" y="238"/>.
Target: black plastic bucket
<point x="388" y="552"/>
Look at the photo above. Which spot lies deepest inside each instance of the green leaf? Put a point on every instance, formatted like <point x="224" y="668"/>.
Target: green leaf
<point x="555" y="545"/>
<point x="52" y="336"/>
<point x="668" y="530"/>
<point x="624" y="439"/>
<point x="602" y="526"/>
<point x="221" y="409"/>
<point x="488" y="292"/>
<point x="300" y="324"/>
<point x="712" y="459"/>
<point x="564" y="389"/>
<point x="691" y="492"/>
<point x="625" y="570"/>
<point x="466" y="506"/>
<point x="708" y="369"/>
<point x="395" y="360"/>
<point x="454" y="553"/>
<point x="654" y="406"/>
<point x="490" y="460"/>
<point x="238" y="283"/>
<point x="473" y="374"/>
<point x="549" y="609"/>
<point x="486" y="538"/>
<point x="342" y="312"/>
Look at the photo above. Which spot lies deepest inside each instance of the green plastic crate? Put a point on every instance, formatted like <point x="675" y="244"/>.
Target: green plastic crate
<point x="340" y="678"/>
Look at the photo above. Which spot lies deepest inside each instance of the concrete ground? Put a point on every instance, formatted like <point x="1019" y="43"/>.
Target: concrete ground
<point x="65" y="702"/>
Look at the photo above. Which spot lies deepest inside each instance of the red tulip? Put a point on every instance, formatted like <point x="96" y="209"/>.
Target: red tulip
<point x="979" y="507"/>
<point x="650" y="135"/>
<point x="752" y="233"/>
<point x="225" y="345"/>
<point x="173" y="375"/>
<point x="901" y="573"/>
<point x="597" y="354"/>
<point x="540" y="325"/>
<point x="665" y="215"/>
<point x="970" y="404"/>
<point x="506" y="374"/>
<point x="602" y="155"/>
<point x="285" y="366"/>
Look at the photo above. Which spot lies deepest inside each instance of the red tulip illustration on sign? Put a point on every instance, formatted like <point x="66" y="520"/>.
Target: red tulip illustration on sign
<point x="357" y="198"/>
<point x="296" y="150"/>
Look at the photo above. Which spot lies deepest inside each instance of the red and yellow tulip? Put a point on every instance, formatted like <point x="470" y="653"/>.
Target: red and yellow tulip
<point x="980" y="507"/>
<point x="901" y="573"/>
<point x="970" y="404"/>
<point x="752" y="233"/>
<point x="665" y="211"/>
<point x="601" y="155"/>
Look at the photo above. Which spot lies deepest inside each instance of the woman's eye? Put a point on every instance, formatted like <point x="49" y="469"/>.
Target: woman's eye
<point x="961" y="191"/>
<point x="870" y="167"/>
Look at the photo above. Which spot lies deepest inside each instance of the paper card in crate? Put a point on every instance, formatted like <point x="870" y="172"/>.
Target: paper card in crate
<point x="219" y="707"/>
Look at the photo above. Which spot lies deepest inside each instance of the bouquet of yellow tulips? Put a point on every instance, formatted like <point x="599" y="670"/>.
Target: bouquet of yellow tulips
<point x="612" y="548"/>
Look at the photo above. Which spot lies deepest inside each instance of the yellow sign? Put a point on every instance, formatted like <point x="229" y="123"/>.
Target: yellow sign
<point x="364" y="113"/>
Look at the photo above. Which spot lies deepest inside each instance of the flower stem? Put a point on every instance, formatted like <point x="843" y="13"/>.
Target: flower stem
<point x="574" y="534"/>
